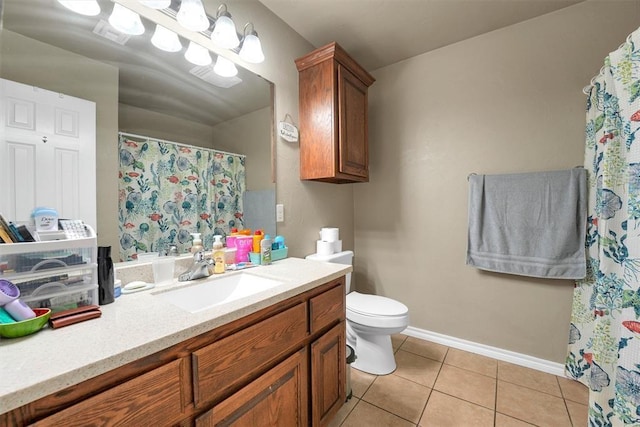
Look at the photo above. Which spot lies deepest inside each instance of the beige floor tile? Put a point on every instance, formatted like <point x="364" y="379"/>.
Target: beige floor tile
<point x="399" y="396"/>
<point x="532" y="406"/>
<point x="344" y="412"/>
<point x="472" y="362"/>
<point x="425" y="348"/>
<point x="365" y="414"/>
<point x="528" y="377"/>
<point x="467" y="385"/>
<point x="574" y="390"/>
<point x="397" y="340"/>
<point x="446" y="411"/>
<point x="360" y="382"/>
<point x="416" y="368"/>
<point x="578" y="413"/>
<point x="506" y="421"/>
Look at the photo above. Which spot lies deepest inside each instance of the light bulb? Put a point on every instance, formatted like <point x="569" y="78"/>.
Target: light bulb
<point x="192" y="15"/>
<point x="224" y="32"/>
<point x="125" y="20"/>
<point x="252" y="49"/>
<point x="197" y="55"/>
<point x="165" y="39"/>
<point x="156" y="4"/>
<point x="83" y="7"/>
<point x="224" y="67"/>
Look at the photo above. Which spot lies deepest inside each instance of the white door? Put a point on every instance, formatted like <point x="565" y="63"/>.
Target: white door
<point x="47" y="153"/>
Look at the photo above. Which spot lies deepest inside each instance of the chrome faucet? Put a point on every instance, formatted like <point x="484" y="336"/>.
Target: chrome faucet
<point x="199" y="269"/>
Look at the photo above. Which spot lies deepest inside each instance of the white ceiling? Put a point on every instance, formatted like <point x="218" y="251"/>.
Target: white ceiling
<point x="381" y="32"/>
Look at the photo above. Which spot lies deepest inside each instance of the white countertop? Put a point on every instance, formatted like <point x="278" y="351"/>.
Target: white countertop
<point x="134" y="326"/>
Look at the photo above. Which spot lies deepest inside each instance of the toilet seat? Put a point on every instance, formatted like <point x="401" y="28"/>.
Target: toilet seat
<point x="376" y="311"/>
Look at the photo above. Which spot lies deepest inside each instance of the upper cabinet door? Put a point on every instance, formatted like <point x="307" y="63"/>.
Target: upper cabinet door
<point x="333" y="105"/>
<point x="353" y="106"/>
<point x="47" y="153"/>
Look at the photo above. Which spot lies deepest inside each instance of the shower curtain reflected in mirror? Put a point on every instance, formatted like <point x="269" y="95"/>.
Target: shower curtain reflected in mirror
<point x="169" y="190"/>
<point x="604" y="339"/>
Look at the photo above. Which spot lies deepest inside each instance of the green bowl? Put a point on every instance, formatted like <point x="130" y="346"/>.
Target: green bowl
<point x="26" y="327"/>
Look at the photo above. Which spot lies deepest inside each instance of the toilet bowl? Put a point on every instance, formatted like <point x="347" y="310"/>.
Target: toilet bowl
<point x="371" y="320"/>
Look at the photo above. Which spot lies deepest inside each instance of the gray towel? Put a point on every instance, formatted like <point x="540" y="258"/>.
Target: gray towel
<point x="530" y="224"/>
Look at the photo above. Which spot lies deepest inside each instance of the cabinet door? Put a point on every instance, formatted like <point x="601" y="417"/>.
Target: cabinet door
<point x="328" y="370"/>
<point x="159" y="397"/>
<point x="277" y="398"/>
<point x="353" y="123"/>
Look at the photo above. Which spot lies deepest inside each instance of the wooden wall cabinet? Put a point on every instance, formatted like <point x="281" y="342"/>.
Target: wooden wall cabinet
<point x="333" y="110"/>
<point x="281" y="366"/>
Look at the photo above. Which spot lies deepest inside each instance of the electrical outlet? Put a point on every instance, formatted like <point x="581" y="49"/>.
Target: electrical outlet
<point x="279" y="213"/>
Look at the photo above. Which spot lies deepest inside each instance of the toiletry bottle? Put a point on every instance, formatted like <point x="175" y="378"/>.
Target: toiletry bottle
<point x="265" y="250"/>
<point x="218" y="255"/>
<point x="257" y="237"/>
<point x="197" y="243"/>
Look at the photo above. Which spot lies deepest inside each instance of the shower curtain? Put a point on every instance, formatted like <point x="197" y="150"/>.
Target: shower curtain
<point x="169" y="190"/>
<point x="604" y="338"/>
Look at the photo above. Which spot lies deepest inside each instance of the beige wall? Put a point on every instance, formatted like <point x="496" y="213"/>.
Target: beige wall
<point x="508" y="101"/>
<point x="249" y="135"/>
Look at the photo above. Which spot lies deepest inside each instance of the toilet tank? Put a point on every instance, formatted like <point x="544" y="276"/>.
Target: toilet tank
<point x="344" y="257"/>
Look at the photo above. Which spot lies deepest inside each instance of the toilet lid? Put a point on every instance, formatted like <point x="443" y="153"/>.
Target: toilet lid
<point x="375" y="305"/>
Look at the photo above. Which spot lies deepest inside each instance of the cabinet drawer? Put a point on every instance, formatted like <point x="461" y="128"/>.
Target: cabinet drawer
<point x="227" y="363"/>
<point x="327" y="307"/>
<point x="158" y="397"/>
<point x="279" y="397"/>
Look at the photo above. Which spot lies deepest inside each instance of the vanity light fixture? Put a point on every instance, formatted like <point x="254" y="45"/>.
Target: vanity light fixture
<point x="192" y="15"/>
<point x="125" y="20"/>
<point x="251" y="50"/>
<point x="224" y="30"/>
<point x="197" y="54"/>
<point x="156" y="4"/>
<point x="83" y="7"/>
<point x="225" y="67"/>
<point x="165" y="39"/>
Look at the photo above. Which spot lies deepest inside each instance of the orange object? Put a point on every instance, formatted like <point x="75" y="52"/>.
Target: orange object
<point x="257" y="238"/>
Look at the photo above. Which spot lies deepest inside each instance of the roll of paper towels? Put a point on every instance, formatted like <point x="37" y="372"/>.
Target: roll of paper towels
<point x="329" y="234"/>
<point x="324" y="248"/>
<point x="337" y="246"/>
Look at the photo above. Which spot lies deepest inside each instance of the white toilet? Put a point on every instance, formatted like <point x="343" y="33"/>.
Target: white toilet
<point x="371" y="319"/>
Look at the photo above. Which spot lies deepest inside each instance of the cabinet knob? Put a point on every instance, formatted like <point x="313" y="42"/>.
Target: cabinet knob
<point x="44" y="139"/>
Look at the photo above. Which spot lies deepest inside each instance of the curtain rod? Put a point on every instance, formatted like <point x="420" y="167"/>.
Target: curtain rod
<point x="179" y="143"/>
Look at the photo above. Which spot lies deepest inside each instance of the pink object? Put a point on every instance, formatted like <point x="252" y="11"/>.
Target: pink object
<point x="231" y="241"/>
<point x="243" y="245"/>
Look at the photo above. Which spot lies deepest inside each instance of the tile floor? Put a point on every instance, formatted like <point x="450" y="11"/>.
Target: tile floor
<point x="435" y="385"/>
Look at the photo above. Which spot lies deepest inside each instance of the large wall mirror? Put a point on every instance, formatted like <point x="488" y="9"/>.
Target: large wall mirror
<point x="141" y="90"/>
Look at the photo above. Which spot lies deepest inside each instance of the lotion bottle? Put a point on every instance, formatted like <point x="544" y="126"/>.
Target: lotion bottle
<point x="197" y="243"/>
<point x="218" y="255"/>
<point x="265" y="250"/>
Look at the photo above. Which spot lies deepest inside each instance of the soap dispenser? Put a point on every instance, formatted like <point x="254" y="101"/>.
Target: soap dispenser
<point x="197" y="243"/>
<point x="218" y="255"/>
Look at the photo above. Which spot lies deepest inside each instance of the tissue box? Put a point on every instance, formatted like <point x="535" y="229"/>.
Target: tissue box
<point x="276" y="254"/>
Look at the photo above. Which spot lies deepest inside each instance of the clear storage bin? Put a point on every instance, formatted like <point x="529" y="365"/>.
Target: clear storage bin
<point x="56" y="274"/>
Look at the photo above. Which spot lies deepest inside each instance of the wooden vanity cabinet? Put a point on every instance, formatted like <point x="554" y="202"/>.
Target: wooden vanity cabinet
<point x="333" y="112"/>
<point x="281" y="366"/>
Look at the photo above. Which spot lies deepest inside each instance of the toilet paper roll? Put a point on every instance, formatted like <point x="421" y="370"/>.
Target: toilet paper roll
<point x="337" y="246"/>
<point x="324" y="247"/>
<point x="329" y="234"/>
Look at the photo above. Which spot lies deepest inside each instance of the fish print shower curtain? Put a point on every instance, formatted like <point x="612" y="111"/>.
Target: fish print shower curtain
<point x="169" y="190"/>
<point x="604" y="339"/>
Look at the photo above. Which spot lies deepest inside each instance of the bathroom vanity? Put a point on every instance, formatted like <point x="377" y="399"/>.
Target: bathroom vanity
<point x="276" y="357"/>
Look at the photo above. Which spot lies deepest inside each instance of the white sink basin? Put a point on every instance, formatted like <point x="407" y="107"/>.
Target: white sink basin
<point x="214" y="291"/>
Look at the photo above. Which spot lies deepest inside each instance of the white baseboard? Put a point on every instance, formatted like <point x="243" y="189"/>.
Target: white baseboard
<point x="485" y="350"/>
